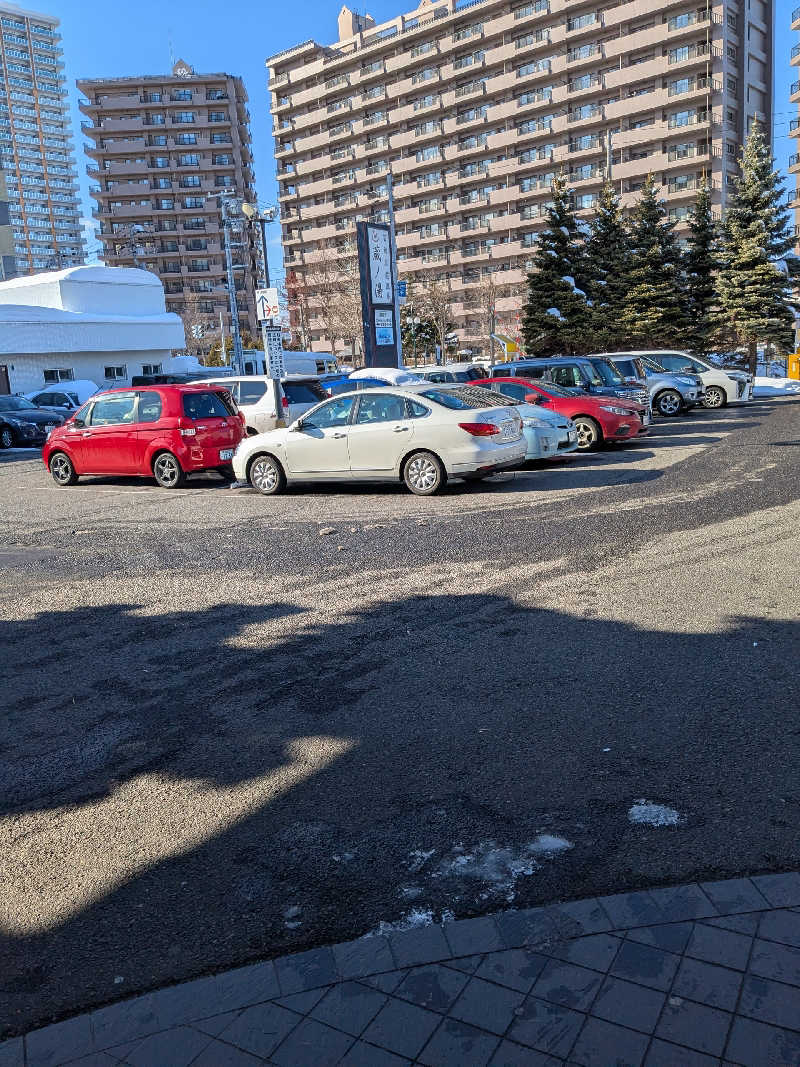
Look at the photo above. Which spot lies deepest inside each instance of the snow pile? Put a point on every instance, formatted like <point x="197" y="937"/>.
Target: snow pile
<point x="763" y="386"/>
<point x="646" y="813"/>
<point x="416" y="918"/>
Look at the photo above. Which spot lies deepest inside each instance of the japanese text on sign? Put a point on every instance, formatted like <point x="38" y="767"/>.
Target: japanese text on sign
<point x="380" y="265"/>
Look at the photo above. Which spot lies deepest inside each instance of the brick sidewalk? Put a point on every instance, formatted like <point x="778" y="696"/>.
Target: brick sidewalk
<point x="694" y="975"/>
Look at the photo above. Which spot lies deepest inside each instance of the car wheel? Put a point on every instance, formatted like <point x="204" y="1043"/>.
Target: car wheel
<point x="266" y="475"/>
<point x="167" y="471"/>
<point x="669" y="403"/>
<point x="715" y="397"/>
<point x="589" y="433"/>
<point x="6" y="437"/>
<point x="424" y="474"/>
<point x="62" y="470"/>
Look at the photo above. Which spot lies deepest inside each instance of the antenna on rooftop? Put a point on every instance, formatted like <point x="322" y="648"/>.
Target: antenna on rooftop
<point x="171" y="52"/>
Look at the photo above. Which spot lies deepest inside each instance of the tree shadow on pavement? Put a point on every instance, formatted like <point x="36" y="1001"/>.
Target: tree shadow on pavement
<point x="186" y="791"/>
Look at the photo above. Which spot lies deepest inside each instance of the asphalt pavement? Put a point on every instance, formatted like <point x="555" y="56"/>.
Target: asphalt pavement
<point x="232" y="734"/>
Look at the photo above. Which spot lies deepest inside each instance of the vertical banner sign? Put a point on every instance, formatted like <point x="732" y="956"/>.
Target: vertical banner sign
<point x="377" y="294"/>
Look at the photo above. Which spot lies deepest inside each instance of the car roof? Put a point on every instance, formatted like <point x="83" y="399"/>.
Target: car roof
<point x="297" y="377"/>
<point x="164" y="387"/>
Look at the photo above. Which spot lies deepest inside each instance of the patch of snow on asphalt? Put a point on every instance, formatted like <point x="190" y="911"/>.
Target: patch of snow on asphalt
<point x="416" y="918"/>
<point x="646" y="813"/>
<point x="498" y="869"/>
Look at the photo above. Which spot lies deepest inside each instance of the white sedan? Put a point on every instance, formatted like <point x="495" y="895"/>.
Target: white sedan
<point x="420" y="434"/>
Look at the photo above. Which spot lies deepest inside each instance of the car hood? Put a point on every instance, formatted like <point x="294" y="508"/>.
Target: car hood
<point x="40" y="416"/>
<point x="536" y="411"/>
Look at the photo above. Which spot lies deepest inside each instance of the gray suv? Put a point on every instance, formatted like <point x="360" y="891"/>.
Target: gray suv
<point x="670" y="394"/>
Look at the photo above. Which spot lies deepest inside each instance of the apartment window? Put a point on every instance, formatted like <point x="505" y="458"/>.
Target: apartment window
<point x="159" y="162"/>
<point x="426" y="127"/>
<point x="152" y="98"/>
<point x="730" y="149"/>
<point x="222" y="181"/>
<point x="165" y="203"/>
<point x="193" y="202"/>
<point x="151" y="368"/>
<point x="161" y="183"/>
<point x="216" y="94"/>
<point x="197" y="244"/>
<point x="201" y="265"/>
<point x="425" y="75"/>
<point x="423" y="48"/>
<point x="58" y="374"/>
<point x="534" y="67"/>
<point x="733" y="21"/>
<point x="220" y="138"/>
<point x="183" y="117"/>
<point x="585" y="200"/>
<point x="431" y="178"/>
<point x="218" y="116"/>
<point x="462" y="34"/>
<point x="188" y="159"/>
<point x="581" y="21"/>
<point x="641" y="124"/>
<point x="115" y="373"/>
<point x="222" y="159"/>
<point x="469" y="60"/>
<point x="195" y="224"/>
<point x="733" y="85"/>
<point x="731" y="50"/>
<point x="182" y="94"/>
<point x="535" y="8"/>
<point x="425" y="101"/>
<point x="157" y="140"/>
<point x="190" y="181"/>
<point x="186" y="138"/>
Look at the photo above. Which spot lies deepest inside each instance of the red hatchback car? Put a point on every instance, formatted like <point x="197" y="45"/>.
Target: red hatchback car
<point x="160" y="431"/>
<point x="597" y="418"/>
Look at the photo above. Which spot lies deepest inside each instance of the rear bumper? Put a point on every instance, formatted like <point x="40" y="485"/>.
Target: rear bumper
<point x="195" y="458"/>
<point x="480" y="456"/>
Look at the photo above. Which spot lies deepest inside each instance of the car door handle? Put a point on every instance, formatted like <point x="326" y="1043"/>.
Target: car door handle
<point x="401" y="429"/>
<point x="86" y="433"/>
<point x="337" y="436"/>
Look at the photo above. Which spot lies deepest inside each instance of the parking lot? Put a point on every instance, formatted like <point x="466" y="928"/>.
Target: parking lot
<point x="240" y="726"/>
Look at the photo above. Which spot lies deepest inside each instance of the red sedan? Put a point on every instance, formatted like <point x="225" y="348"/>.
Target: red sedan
<point x="159" y="431"/>
<point x="598" y="419"/>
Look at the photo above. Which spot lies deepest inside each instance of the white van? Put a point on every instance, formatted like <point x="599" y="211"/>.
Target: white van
<point x="256" y="398"/>
<point x="293" y="362"/>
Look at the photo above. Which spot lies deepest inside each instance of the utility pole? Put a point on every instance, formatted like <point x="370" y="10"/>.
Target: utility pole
<point x="230" y="208"/>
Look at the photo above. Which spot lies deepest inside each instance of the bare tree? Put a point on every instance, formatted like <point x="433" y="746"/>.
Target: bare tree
<point x="436" y="303"/>
<point x="329" y="285"/>
<point x="487" y="295"/>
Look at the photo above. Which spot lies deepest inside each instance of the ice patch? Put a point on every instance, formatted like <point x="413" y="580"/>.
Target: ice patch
<point x="645" y="812"/>
<point x="549" y="845"/>
<point x="415" y="919"/>
<point x="419" y="859"/>
<point x="497" y="869"/>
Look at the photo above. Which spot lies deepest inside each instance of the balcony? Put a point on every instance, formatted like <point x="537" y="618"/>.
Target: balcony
<point x="794" y="128"/>
<point x="794" y="164"/>
<point x="796" y="19"/>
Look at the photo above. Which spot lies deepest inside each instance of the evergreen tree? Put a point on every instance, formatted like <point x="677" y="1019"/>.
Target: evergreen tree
<point x="654" y="312"/>
<point x="606" y="264"/>
<point x="753" y="293"/>
<point x="700" y="262"/>
<point x="554" y="315"/>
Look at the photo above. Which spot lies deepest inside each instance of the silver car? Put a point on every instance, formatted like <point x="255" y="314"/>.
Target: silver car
<point x="670" y="394"/>
<point x="418" y="434"/>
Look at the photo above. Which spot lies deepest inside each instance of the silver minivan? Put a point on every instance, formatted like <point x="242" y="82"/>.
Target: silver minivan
<point x="255" y="397"/>
<point x="670" y="394"/>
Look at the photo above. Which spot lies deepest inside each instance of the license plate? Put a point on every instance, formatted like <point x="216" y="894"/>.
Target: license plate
<point x="226" y="453"/>
<point x="508" y="432"/>
<point x="49" y="426"/>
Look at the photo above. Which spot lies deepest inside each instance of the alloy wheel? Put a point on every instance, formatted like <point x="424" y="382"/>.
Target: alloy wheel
<point x="264" y="475"/>
<point x="6" y="438"/>
<point x="422" y="473"/>
<point x="167" y="471"/>
<point x="714" y="397"/>
<point x="587" y="434"/>
<point x="61" y="468"/>
<point x="669" y="403"/>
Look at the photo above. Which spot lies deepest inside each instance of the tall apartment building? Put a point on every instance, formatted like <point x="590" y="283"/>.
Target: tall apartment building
<point x="36" y="151"/>
<point x="8" y="259"/>
<point x="474" y="106"/>
<point x="163" y="148"/>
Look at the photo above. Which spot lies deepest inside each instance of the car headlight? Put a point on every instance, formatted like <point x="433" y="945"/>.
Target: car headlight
<point x="615" y="410"/>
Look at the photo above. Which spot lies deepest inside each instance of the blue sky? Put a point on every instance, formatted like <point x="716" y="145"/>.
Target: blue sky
<point x="102" y="39"/>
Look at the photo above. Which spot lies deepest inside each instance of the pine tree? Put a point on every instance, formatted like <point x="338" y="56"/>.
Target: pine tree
<point x="554" y="315"/>
<point x="606" y="264"/>
<point x="654" y="312"/>
<point x="700" y="263"/>
<point x="752" y="291"/>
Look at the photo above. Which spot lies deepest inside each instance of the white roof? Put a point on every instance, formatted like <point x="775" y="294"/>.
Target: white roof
<point x="392" y="375"/>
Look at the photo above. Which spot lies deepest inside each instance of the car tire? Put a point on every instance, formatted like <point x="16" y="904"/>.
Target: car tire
<point x="590" y="436"/>
<point x="715" y="397"/>
<point x="424" y="474"/>
<point x="266" y="475"/>
<point x="669" y="403"/>
<point x="62" y="470"/>
<point x="6" y="437"/>
<point x="167" y="471"/>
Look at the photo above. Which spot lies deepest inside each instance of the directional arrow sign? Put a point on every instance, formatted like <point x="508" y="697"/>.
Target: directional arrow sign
<point x="267" y="306"/>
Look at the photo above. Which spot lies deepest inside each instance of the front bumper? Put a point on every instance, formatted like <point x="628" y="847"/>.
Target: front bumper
<point x="625" y="428"/>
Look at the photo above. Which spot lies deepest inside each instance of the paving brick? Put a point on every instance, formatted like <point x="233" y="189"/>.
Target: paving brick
<point x="665" y="1054"/>
<point x="401" y="1028"/>
<point x="783" y="926"/>
<point x="596" y="951"/>
<point x="740" y="924"/>
<point x="123" y="1022"/>
<point x="546" y="1027"/>
<point x="473" y="936"/>
<point x="631" y="909"/>
<point x="62" y="1041"/>
<point x="517" y="968"/>
<point x="302" y="1003"/>
<point x="755" y="1044"/>
<point x="312" y="1042"/>
<point x="424" y="945"/>
<point x="694" y="1025"/>
<point x="434" y="987"/>
<point x="671" y="937"/>
<point x="577" y="918"/>
<point x="566" y="984"/>
<point x="489" y="1006"/>
<point x="11" y="1053"/>
<point x="628" y="1004"/>
<point x="467" y="964"/>
<point x="212" y="1026"/>
<point x="457" y="1043"/>
<point x="215" y="995"/>
<point x="177" y="1046"/>
<point x="218" y="1054"/>
<point x="349" y="1006"/>
<point x="363" y="1055"/>
<point x="531" y="928"/>
<point x="646" y="965"/>
<point x="260" y="1028"/>
<point x="734" y="895"/>
<point x="601" y="1043"/>
<point x="719" y="946"/>
<point x="781" y="890"/>
<point x="367" y="955"/>
<point x="306" y="970"/>
<point x="95" y="1059"/>
<point x="510" y="1054"/>
<point x="386" y="982"/>
<point x="708" y="984"/>
<point x="770" y="1002"/>
<point x="680" y="903"/>
<point x="770" y="960"/>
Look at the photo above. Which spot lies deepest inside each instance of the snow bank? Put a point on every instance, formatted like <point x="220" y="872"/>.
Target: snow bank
<point x="763" y="386"/>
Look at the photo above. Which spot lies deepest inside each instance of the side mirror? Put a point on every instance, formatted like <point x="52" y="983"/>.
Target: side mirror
<point x="631" y="381"/>
<point x="296" y="426"/>
<point x="79" y="423"/>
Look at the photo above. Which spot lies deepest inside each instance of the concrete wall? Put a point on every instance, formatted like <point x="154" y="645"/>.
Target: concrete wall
<point x="26" y="372"/>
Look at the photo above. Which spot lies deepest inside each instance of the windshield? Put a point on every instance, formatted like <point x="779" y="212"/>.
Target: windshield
<point x="466" y="398"/>
<point x="15" y="403"/>
<point x="608" y="372"/>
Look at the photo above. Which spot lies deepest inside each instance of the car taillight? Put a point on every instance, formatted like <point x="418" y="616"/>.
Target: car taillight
<point x="480" y="429"/>
<point x="285" y="403"/>
<point x="184" y="430"/>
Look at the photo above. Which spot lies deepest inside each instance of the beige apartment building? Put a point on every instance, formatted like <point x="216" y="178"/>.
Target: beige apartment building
<point x="163" y="149"/>
<point x="36" y="149"/>
<point x="474" y="107"/>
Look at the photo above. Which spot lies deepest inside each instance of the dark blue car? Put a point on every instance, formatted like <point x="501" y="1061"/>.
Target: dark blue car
<point x="344" y="384"/>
